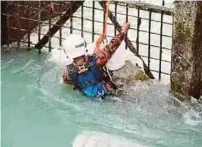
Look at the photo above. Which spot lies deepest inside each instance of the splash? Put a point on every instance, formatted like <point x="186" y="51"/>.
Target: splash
<point x="58" y="56"/>
<point x="94" y="139"/>
<point x="192" y="117"/>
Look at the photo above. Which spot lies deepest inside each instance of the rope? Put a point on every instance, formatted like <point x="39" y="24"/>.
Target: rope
<point x="106" y="17"/>
<point x="103" y="36"/>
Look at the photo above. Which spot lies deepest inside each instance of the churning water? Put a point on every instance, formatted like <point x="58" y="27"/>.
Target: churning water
<point x="38" y="110"/>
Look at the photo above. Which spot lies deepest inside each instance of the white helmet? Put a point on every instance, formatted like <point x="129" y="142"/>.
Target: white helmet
<point x="75" y="46"/>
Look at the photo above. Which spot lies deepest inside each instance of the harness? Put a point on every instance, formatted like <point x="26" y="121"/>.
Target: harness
<point x="88" y="74"/>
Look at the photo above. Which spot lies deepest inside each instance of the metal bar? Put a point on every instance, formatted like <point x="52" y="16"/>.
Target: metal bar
<point x="8" y="29"/>
<point x="4" y="25"/>
<point x="31" y="19"/>
<point x="82" y="20"/>
<point x="138" y="25"/>
<point x="126" y="21"/>
<point x="112" y="11"/>
<point x="35" y="44"/>
<point x="71" y="21"/>
<point x="115" y="17"/>
<point x="39" y="25"/>
<point x="56" y="25"/>
<point x="90" y="32"/>
<point x="36" y="20"/>
<point x="163" y="3"/>
<point x="172" y="50"/>
<point x="133" y="16"/>
<point x="151" y="32"/>
<point x="53" y="36"/>
<point x="146" y="7"/>
<point x="23" y="6"/>
<point x="49" y="35"/>
<point x="153" y="58"/>
<point x="149" y="39"/>
<point x="161" y="39"/>
<point x="104" y="10"/>
<point x="93" y="21"/>
<point x="161" y="72"/>
<point x="32" y="8"/>
<point x="60" y="30"/>
<point x="25" y="18"/>
<point x="15" y="28"/>
<point x="153" y="45"/>
<point x="28" y="31"/>
<point x="39" y="21"/>
<point x="141" y="6"/>
<point x="18" y="25"/>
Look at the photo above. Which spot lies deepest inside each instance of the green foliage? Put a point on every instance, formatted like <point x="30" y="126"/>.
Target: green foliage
<point x="140" y="75"/>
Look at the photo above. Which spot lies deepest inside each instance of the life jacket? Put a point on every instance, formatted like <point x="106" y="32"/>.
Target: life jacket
<point x="90" y="79"/>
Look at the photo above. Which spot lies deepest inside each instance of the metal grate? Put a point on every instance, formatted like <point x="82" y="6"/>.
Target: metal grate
<point x="142" y="37"/>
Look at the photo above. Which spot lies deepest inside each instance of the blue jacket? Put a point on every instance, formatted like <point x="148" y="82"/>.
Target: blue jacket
<point x="89" y="82"/>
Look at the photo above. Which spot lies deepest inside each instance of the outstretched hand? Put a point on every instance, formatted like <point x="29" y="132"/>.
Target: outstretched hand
<point x="125" y="27"/>
<point x="100" y="39"/>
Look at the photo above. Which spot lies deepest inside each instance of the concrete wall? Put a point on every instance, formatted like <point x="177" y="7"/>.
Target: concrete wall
<point x="186" y="79"/>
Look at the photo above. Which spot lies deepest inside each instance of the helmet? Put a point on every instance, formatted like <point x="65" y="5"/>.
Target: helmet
<point x="90" y="49"/>
<point x="68" y="62"/>
<point x="75" y="46"/>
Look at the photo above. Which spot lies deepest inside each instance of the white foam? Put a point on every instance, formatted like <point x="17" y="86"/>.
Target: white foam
<point x="192" y="118"/>
<point x="22" y="68"/>
<point x="99" y="139"/>
<point x="58" y="56"/>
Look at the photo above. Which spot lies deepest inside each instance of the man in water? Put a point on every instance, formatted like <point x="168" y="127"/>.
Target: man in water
<point x="86" y="73"/>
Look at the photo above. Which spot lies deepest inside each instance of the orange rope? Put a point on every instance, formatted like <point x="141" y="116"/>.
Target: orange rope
<point x="103" y="36"/>
<point x="106" y="17"/>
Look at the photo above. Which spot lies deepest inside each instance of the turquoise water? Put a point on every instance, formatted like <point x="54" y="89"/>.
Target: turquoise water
<point x="39" y="111"/>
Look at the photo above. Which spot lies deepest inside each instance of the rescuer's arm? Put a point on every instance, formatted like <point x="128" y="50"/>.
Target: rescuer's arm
<point x="104" y="55"/>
